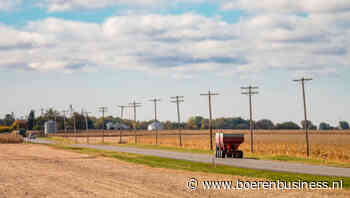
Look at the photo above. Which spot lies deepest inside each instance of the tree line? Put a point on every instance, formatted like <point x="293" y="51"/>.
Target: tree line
<point x="193" y="123"/>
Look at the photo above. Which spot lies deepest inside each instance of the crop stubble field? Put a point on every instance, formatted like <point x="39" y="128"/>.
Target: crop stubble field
<point x="30" y="170"/>
<point x="325" y="145"/>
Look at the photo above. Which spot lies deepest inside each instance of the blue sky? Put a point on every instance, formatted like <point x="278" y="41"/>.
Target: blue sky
<point x="108" y="52"/>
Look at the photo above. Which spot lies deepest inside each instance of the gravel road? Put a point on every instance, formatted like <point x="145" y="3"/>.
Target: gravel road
<point x="243" y="163"/>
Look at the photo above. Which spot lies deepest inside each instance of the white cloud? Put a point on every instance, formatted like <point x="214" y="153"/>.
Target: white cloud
<point x="181" y="46"/>
<point x="9" y="4"/>
<point x="284" y="6"/>
<point x="65" y="5"/>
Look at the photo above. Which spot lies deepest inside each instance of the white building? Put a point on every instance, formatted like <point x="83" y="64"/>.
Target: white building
<point x="111" y="126"/>
<point x="155" y="126"/>
<point x="50" y="127"/>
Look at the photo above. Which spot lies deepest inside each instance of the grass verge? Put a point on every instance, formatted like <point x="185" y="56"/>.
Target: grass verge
<point x="161" y="162"/>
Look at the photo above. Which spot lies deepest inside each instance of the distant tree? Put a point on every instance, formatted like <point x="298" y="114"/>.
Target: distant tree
<point x="287" y="125"/>
<point x="205" y="124"/>
<point x="324" y="126"/>
<point x="2" y="122"/>
<point x="194" y="122"/>
<point x="243" y="126"/>
<point x="31" y="120"/>
<point x="344" y="125"/>
<point x="264" y="124"/>
<point x="9" y="119"/>
<point x="168" y="125"/>
<point x="309" y="124"/>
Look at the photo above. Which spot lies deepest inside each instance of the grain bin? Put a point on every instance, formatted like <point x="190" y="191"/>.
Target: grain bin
<point x="50" y="127"/>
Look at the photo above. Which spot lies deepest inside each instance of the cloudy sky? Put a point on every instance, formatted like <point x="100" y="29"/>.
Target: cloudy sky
<point x="93" y="53"/>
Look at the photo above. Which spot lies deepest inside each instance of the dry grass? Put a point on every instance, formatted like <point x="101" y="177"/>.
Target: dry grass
<point x="10" y="138"/>
<point x="326" y="146"/>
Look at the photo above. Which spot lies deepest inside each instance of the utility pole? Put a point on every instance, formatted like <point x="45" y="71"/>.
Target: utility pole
<point x="135" y="105"/>
<point x="103" y="110"/>
<point x="122" y="107"/>
<point x="210" y="94"/>
<point x="302" y="81"/>
<point x="155" y="101"/>
<point x="64" y="122"/>
<point x="42" y="116"/>
<point x="251" y="124"/>
<point x="178" y="100"/>
<point x="87" y="125"/>
<point x="74" y="123"/>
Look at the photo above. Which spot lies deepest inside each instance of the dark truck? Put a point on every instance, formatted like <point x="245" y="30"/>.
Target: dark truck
<point x="227" y="145"/>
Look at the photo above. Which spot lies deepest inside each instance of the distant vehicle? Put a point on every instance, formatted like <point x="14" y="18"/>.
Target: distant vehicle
<point x="227" y="145"/>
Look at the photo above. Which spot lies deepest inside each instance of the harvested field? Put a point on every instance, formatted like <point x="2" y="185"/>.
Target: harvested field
<point x="324" y="145"/>
<point x="28" y="170"/>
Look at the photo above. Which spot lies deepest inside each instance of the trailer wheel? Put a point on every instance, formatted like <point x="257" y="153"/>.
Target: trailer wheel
<point x="239" y="154"/>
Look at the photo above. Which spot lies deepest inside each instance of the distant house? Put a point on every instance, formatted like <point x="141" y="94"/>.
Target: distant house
<point x="116" y="126"/>
<point x="155" y="126"/>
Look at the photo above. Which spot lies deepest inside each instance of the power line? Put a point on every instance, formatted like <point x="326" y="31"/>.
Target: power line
<point x="135" y="105"/>
<point x="103" y="110"/>
<point x="302" y="81"/>
<point x="178" y="100"/>
<point x="210" y="94"/>
<point x="250" y="92"/>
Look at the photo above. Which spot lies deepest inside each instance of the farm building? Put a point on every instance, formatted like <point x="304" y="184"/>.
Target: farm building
<point x="155" y="126"/>
<point x="50" y="127"/>
<point x="111" y="126"/>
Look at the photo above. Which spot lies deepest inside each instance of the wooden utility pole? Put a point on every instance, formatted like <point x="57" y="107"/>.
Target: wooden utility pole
<point x="155" y="101"/>
<point x="122" y="107"/>
<point x="74" y="123"/>
<point x="87" y="125"/>
<point x="135" y="105"/>
<point x="251" y="124"/>
<point x="64" y="122"/>
<point x="302" y="81"/>
<point x="178" y="100"/>
<point x="210" y="94"/>
<point x="103" y="110"/>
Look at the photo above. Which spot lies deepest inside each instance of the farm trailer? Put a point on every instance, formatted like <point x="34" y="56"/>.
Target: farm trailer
<point x="227" y="145"/>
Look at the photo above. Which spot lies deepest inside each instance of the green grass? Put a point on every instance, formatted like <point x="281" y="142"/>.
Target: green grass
<point x="199" y="151"/>
<point x="160" y="162"/>
<point x="161" y="147"/>
<point x="247" y="155"/>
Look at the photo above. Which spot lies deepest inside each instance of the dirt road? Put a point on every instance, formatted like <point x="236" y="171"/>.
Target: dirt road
<point x="28" y="170"/>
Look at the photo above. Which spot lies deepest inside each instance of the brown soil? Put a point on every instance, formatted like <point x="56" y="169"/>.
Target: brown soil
<point x="28" y="170"/>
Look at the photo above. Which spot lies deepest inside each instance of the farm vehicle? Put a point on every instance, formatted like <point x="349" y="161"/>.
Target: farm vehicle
<point x="227" y="145"/>
<point x="18" y="125"/>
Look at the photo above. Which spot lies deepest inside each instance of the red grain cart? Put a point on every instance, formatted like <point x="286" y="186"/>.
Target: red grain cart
<point x="227" y="145"/>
